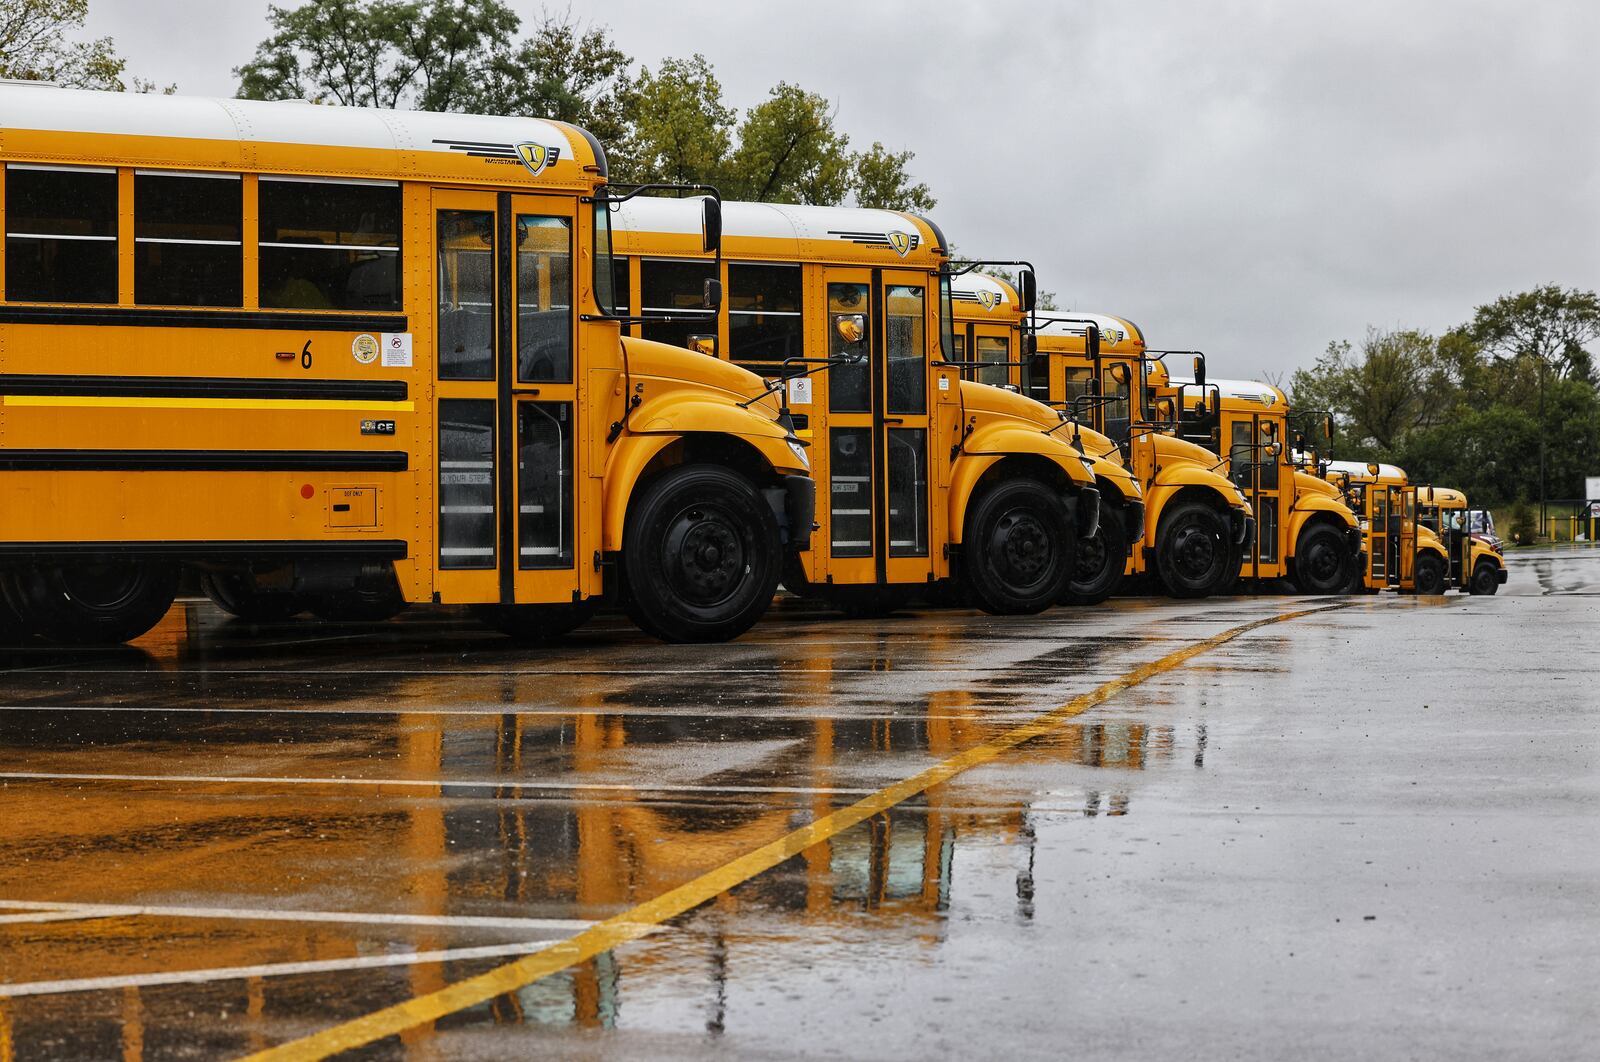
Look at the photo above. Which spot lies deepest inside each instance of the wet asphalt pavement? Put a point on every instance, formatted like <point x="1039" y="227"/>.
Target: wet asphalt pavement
<point x="1369" y="831"/>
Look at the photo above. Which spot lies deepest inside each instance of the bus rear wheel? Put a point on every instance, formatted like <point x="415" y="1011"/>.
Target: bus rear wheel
<point x="1322" y="561"/>
<point x="101" y="603"/>
<point x="1430" y="575"/>
<point x="1100" y="561"/>
<point x="240" y="595"/>
<point x="700" y="555"/>
<point x="1485" y="578"/>
<point x="1194" y="551"/>
<point x="537" y="623"/>
<point x="1020" y="549"/>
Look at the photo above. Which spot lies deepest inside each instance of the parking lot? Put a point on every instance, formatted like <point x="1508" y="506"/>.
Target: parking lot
<point x="1258" y="827"/>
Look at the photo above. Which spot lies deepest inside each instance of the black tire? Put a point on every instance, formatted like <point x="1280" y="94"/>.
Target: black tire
<point x="1322" y="561"/>
<point x="1195" y="554"/>
<point x="1430" y="577"/>
<point x="370" y="600"/>
<point x="103" y="603"/>
<point x="238" y="594"/>
<point x="1485" y="578"/>
<point x="1101" y="559"/>
<point x="700" y="555"/>
<point x="537" y="623"/>
<point x="1020" y="548"/>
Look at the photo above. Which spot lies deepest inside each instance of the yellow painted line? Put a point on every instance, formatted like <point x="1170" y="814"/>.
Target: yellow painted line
<point x="290" y="404"/>
<point x="633" y="924"/>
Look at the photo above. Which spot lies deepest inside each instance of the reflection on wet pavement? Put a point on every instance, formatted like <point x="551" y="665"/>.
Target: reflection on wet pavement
<point x="230" y="836"/>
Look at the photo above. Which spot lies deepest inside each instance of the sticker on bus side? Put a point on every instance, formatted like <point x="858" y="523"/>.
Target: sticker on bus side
<point x="397" y="350"/>
<point x="377" y="427"/>
<point x="364" y="348"/>
<point x="800" y="391"/>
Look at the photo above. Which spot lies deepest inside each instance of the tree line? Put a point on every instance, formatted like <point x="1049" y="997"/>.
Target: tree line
<point x="1463" y="409"/>
<point x="667" y="123"/>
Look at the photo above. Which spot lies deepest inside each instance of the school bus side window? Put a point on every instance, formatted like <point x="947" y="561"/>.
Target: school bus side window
<point x="61" y="234"/>
<point x="764" y="316"/>
<point x="676" y="289"/>
<point x="187" y="235"/>
<point x="329" y="245"/>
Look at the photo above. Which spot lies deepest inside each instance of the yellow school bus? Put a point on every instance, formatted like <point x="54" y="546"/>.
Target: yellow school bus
<point x="1195" y="520"/>
<point x="357" y="357"/>
<point x="928" y="482"/>
<point x="1304" y="532"/>
<point x="1420" y="538"/>
<point x="990" y="325"/>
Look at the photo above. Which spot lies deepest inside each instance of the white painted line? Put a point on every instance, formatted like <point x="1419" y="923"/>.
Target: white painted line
<point x="106" y="910"/>
<point x="61" y="915"/>
<point x="424" y="783"/>
<point x="275" y="969"/>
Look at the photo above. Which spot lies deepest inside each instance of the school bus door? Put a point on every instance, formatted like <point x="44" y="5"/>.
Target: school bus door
<point x="508" y="527"/>
<point x="877" y="446"/>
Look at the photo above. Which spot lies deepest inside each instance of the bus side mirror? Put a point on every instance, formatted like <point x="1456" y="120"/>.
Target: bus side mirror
<point x="1029" y="290"/>
<point x="711" y="224"/>
<point x="1269" y="428"/>
<point x="1275" y="449"/>
<point x="1200" y="408"/>
<point x="1120" y="372"/>
<point x="706" y="345"/>
<point x="1372" y="468"/>
<point x="1030" y="344"/>
<point x="1200" y="370"/>
<point x="1166" y="411"/>
<point x="1327" y="426"/>
<point x="852" y="327"/>
<point x="711" y="299"/>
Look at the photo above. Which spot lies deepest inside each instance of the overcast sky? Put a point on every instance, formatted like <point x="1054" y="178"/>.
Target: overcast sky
<point x="1252" y="179"/>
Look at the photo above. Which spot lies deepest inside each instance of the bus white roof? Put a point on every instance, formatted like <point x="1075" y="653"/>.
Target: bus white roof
<point x="861" y="226"/>
<point x="40" y="108"/>
<point x="1358" y="470"/>
<point x="1071" y="323"/>
<point x="1246" y="390"/>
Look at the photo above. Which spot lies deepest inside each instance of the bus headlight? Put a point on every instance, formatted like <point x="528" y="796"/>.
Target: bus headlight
<point x="799" y="453"/>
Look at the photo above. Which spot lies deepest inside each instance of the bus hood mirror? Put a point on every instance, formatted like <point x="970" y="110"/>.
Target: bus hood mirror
<point x="1199" y="370"/>
<point x="712" y="297"/>
<point x="852" y="327"/>
<point x="1372" y="468"/>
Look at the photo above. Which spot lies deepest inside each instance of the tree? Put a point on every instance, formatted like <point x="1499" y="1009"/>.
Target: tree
<point x="1552" y="325"/>
<point x="568" y="71"/>
<point x="429" y="54"/>
<point x="789" y="152"/>
<point x="1399" y="383"/>
<point x="681" y="130"/>
<point x="35" y="46"/>
<point x="880" y="180"/>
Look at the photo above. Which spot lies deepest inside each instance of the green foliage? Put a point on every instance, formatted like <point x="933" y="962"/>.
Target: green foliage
<point x="789" y="151"/>
<point x="35" y="46"/>
<point x="881" y="181"/>
<point x="663" y="124"/>
<point x="1463" y="410"/>
<point x="1523" y="522"/>
<point x="680" y="130"/>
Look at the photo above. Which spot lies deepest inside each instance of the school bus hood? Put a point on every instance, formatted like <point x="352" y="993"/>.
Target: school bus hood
<point x="1306" y="483"/>
<point x="984" y="398"/>
<point x="661" y="365"/>
<point x="1171" y="449"/>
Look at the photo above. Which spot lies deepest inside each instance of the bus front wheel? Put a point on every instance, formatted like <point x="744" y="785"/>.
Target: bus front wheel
<point x="1194" y="551"/>
<point x="1100" y="561"/>
<point x="1020" y="549"/>
<point x="1430" y="576"/>
<point x="240" y="595"/>
<point x="100" y="603"/>
<point x="700" y="555"/>
<point x="1322" y="561"/>
<point x="1485" y="578"/>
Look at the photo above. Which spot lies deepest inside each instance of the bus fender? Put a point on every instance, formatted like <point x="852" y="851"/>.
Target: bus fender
<point x="1309" y="506"/>
<point x="969" y="470"/>
<point x="1004" y="440"/>
<point x="1179" y="476"/>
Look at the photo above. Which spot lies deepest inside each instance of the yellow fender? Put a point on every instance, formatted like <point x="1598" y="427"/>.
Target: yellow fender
<point x="991" y="444"/>
<point x="658" y="424"/>
<point x="1173" y="478"/>
<point x="1307" y="506"/>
